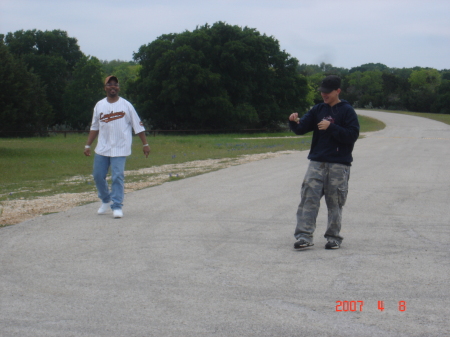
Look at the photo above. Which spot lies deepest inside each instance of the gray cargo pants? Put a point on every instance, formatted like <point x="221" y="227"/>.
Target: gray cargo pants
<point x="321" y="179"/>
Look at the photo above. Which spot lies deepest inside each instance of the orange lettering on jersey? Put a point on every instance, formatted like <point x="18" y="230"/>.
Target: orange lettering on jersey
<point x="106" y="118"/>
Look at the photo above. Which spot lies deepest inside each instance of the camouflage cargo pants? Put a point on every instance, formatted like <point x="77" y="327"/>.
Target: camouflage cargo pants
<point x="321" y="179"/>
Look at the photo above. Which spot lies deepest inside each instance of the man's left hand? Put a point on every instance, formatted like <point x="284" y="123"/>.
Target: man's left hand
<point x="146" y="151"/>
<point x="323" y="125"/>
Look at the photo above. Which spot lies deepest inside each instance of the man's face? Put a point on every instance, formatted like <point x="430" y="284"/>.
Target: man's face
<point x="112" y="88"/>
<point x="331" y="98"/>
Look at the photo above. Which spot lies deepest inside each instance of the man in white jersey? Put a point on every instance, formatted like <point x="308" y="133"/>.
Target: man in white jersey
<point x="112" y="121"/>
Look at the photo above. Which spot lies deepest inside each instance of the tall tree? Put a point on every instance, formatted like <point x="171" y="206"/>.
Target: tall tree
<point x="52" y="55"/>
<point x="24" y="109"/>
<point x="53" y="74"/>
<point x="82" y="92"/>
<point x="218" y="76"/>
<point x="50" y="43"/>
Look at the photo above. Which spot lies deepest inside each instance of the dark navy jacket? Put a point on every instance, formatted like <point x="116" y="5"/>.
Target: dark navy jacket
<point x="335" y="144"/>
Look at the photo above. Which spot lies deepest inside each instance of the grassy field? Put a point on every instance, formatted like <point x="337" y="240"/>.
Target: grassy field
<point x="33" y="167"/>
<point x="444" y="118"/>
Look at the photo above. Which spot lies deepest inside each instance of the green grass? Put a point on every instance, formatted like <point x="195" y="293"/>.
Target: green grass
<point x="368" y="124"/>
<point x="33" y="167"/>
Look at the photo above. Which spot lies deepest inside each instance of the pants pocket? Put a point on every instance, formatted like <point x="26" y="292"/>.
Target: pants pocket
<point x="342" y="196"/>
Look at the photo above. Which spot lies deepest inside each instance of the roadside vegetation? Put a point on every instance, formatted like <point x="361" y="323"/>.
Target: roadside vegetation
<point x="215" y="77"/>
<point x="42" y="166"/>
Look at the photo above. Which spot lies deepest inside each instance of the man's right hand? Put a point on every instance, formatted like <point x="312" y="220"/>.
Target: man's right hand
<point x="87" y="152"/>
<point x="294" y="117"/>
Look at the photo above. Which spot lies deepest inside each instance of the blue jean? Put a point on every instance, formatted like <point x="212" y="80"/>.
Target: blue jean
<point x="101" y="167"/>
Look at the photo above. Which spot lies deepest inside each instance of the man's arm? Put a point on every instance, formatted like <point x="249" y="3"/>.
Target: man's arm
<point x="91" y="137"/>
<point x="303" y="125"/>
<point x="146" y="147"/>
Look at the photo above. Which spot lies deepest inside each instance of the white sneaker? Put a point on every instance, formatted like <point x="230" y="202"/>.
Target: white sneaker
<point x="104" y="208"/>
<point x="117" y="213"/>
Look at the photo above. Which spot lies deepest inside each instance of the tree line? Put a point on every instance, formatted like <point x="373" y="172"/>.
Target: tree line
<point x="214" y="77"/>
<point x="48" y="83"/>
<point x="374" y="85"/>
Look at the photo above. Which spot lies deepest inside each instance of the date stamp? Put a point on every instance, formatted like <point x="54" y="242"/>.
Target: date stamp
<point x="344" y="306"/>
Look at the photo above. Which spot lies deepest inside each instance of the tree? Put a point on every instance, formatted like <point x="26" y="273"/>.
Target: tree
<point x="442" y="101"/>
<point x="423" y="93"/>
<point x="83" y="91"/>
<point x="126" y="72"/>
<point x="369" y="67"/>
<point x="314" y="83"/>
<point x="218" y="76"/>
<point x="52" y="71"/>
<point x="445" y="74"/>
<point x="50" y="43"/>
<point x="366" y="87"/>
<point x="309" y="69"/>
<point x="425" y="79"/>
<point x="52" y="55"/>
<point x="401" y="72"/>
<point x="323" y="68"/>
<point x="395" y="90"/>
<point x="23" y="106"/>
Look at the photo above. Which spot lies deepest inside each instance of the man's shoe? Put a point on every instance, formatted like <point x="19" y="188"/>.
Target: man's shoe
<point x="332" y="245"/>
<point x="104" y="208"/>
<point x="117" y="213"/>
<point x="300" y="244"/>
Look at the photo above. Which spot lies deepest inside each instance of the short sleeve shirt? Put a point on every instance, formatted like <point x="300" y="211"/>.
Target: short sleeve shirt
<point x="114" y="122"/>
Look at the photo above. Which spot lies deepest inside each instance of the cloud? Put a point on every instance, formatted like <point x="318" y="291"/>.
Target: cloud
<point x="346" y="33"/>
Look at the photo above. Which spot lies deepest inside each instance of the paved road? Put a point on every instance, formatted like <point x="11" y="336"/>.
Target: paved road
<point x="212" y="255"/>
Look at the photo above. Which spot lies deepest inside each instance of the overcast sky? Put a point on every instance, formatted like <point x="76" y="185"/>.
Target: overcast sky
<point x="345" y="33"/>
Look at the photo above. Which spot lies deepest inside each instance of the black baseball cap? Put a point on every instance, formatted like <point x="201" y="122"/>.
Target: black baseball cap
<point x="330" y="83"/>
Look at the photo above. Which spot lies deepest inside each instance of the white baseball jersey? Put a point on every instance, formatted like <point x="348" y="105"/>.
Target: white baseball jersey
<point x="114" y="122"/>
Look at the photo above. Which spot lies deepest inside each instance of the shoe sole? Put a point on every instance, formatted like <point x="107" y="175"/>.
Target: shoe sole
<point x="303" y="247"/>
<point x="335" y="247"/>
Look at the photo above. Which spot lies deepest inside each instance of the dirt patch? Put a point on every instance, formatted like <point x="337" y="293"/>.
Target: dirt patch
<point x="16" y="211"/>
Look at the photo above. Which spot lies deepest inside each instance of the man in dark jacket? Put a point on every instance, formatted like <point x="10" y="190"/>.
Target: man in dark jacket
<point x="335" y="129"/>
